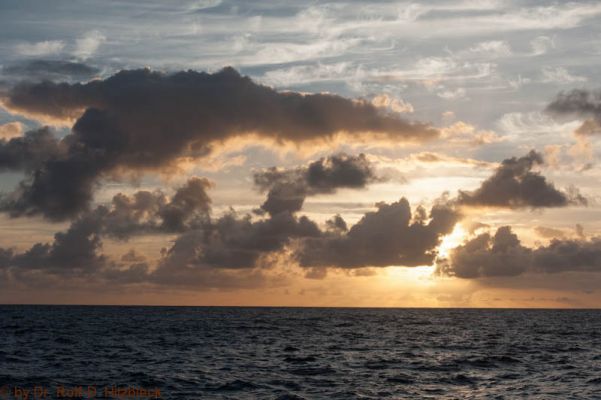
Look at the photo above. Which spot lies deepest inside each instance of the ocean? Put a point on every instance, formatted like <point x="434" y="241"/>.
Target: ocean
<point x="298" y="353"/>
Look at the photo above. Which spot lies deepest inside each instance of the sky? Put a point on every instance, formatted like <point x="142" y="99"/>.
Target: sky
<point x="349" y="153"/>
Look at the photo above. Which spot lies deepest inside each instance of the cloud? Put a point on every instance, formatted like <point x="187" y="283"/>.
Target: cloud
<point x="541" y="45"/>
<point x="228" y="251"/>
<point x="74" y="252"/>
<point x="11" y="130"/>
<point x="560" y="75"/>
<point x="234" y="242"/>
<point x="29" y="151"/>
<point x="527" y="128"/>
<point x="207" y="252"/>
<point x="88" y="44"/>
<point x="40" y="69"/>
<point x="141" y="213"/>
<point x="390" y="103"/>
<point x="147" y="212"/>
<point x="492" y="48"/>
<point x="456" y="94"/>
<point x="185" y="266"/>
<point x="45" y="48"/>
<point x="462" y="133"/>
<point x="579" y="103"/>
<point x="312" y="73"/>
<point x="234" y="250"/>
<point x="588" y="128"/>
<point x="549" y="233"/>
<point x="569" y="255"/>
<point x="141" y="119"/>
<point x="514" y="184"/>
<point x="287" y="189"/>
<point x="390" y="236"/>
<point x="504" y="255"/>
<point x="429" y="157"/>
<point x="486" y="256"/>
<point x="428" y="70"/>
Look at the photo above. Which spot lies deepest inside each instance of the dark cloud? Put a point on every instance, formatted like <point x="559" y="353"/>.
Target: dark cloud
<point x="388" y="236"/>
<point x="233" y="242"/>
<point x="142" y="119"/>
<point x="287" y="189"/>
<point x="147" y="212"/>
<point x="232" y="250"/>
<point x="30" y="151"/>
<point x="285" y="196"/>
<point x="144" y="212"/>
<point x="74" y="252"/>
<point x="189" y="202"/>
<point x="515" y="185"/>
<point x="204" y="246"/>
<point x="582" y="104"/>
<point x="504" y="255"/>
<point x="486" y="255"/>
<point x="569" y="255"/>
<point x="40" y="70"/>
<point x="578" y="102"/>
<point x="60" y="188"/>
<point x="226" y="252"/>
<point x="339" y="171"/>
<point x="337" y="223"/>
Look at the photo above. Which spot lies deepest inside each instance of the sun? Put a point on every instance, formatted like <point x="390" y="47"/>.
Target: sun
<point x="451" y="241"/>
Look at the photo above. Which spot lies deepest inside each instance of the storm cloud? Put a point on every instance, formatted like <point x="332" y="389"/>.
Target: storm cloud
<point x="502" y="254"/>
<point x="140" y="119"/>
<point x="514" y="184"/>
<point x="288" y="188"/>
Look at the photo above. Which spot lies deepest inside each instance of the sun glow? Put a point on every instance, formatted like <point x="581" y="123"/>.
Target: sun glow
<point x="451" y="241"/>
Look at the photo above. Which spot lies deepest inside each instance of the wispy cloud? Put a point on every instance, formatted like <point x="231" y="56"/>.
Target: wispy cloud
<point x="47" y="47"/>
<point x="88" y="44"/>
<point x="560" y="75"/>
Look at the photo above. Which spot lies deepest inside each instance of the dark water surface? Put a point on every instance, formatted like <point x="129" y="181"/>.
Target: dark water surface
<point x="283" y="353"/>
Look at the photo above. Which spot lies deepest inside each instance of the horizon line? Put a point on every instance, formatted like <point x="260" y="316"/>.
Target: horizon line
<point x="299" y="307"/>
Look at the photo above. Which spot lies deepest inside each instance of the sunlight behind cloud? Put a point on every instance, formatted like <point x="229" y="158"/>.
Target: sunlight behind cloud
<point x="452" y="240"/>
